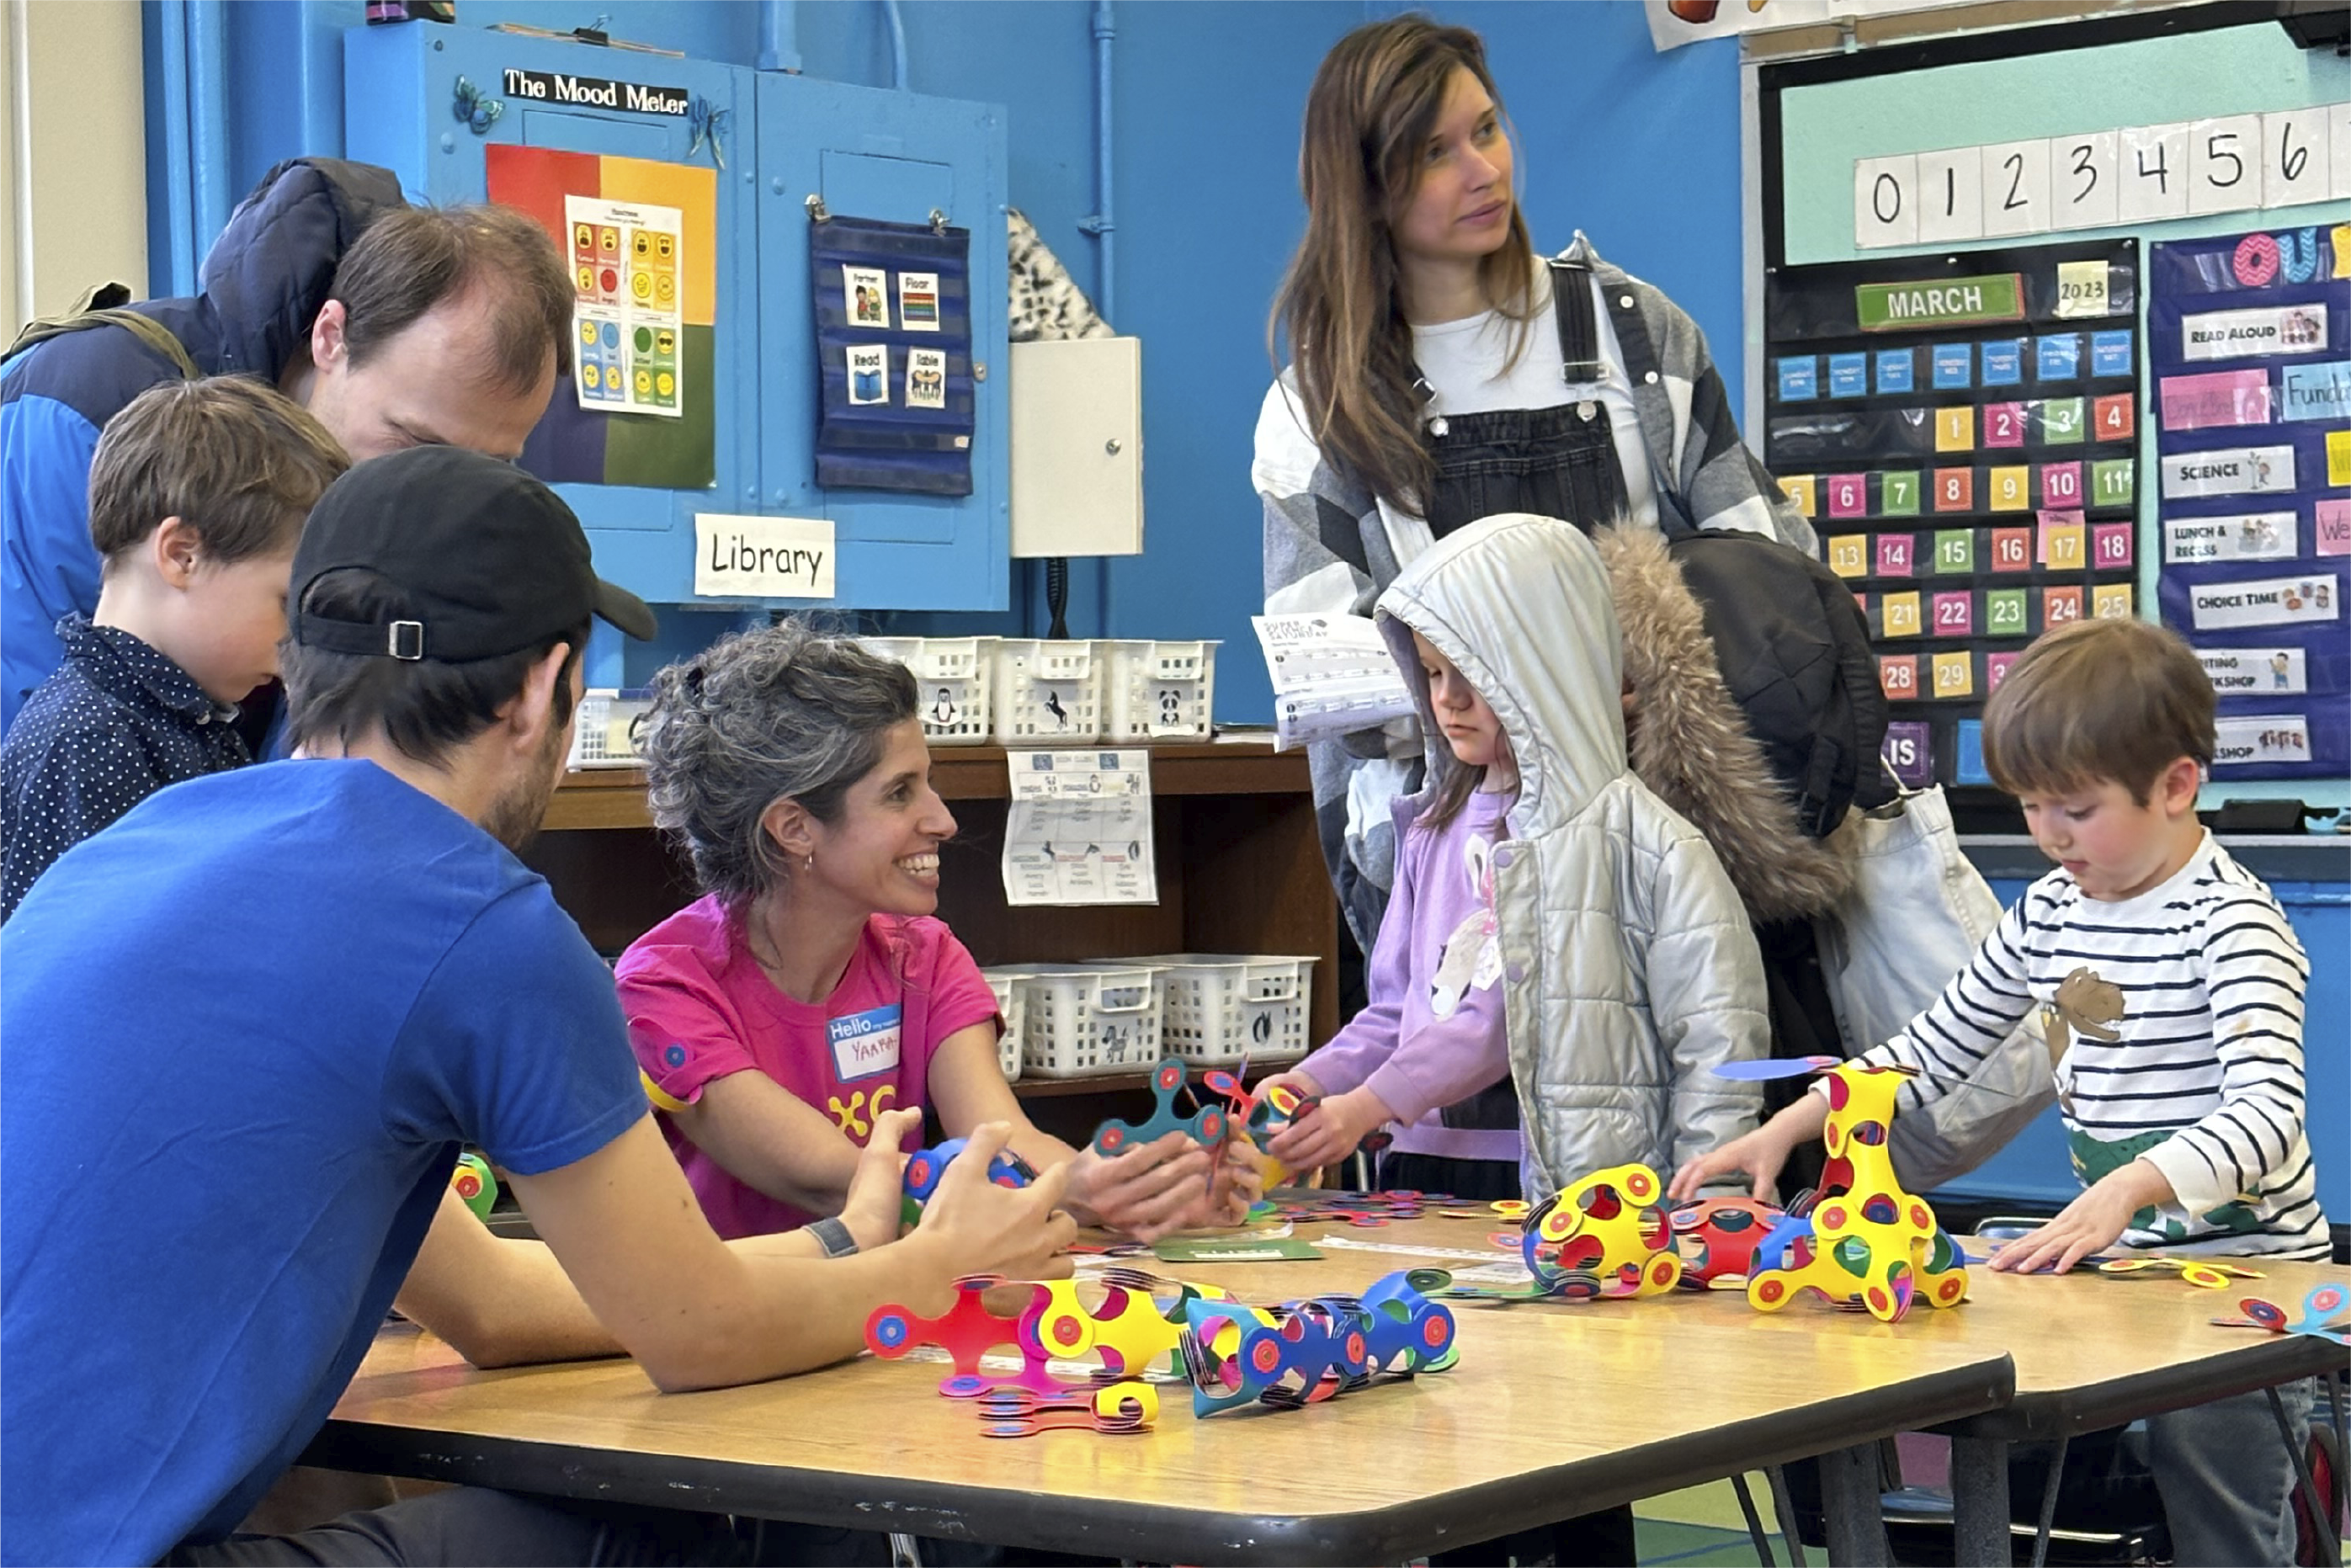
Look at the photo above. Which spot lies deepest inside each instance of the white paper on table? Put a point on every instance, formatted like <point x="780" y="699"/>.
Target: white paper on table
<point x="1332" y="674"/>
<point x="1079" y="829"/>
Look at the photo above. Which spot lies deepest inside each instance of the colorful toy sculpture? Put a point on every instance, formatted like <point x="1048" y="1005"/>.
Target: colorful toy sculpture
<point x="925" y="1168"/>
<point x="1718" y="1239"/>
<point x="1865" y="1241"/>
<point x="967" y="1331"/>
<point x="1113" y="1410"/>
<point x="1303" y="1353"/>
<point x="1130" y="1330"/>
<point x="1606" y="1235"/>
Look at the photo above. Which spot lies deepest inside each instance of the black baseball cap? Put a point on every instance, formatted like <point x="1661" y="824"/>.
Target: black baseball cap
<point x="482" y="559"/>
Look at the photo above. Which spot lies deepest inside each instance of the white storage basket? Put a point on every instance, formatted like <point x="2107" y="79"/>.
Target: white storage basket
<point x="1047" y="693"/>
<point x="1080" y="1020"/>
<point x="1012" y="1003"/>
<point x="954" y="684"/>
<point x="1218" y="1009"/>
<point x="1161" y="691"/>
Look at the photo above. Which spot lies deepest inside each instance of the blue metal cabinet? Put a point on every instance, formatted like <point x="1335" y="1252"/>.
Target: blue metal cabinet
<point x="872" y="153"/>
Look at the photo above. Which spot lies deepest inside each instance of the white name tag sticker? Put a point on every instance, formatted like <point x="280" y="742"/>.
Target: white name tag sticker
<point x="762" y="558"/>
<point x="2246" y="671"/>
<point x="2240" y="738"/>
<point x="866" y="1043"/>
<point x="2248" y="535"/>
<point x="2268" y="601"/>
<point x="2244" y="470"/>
<point x="2235" y="334"/>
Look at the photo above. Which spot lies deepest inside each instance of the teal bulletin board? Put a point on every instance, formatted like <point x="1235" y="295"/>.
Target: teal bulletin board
<point x="1817" y="118"/>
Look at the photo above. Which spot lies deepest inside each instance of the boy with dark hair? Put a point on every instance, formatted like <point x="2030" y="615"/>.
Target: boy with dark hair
<point x="2171" y="986"/>
<point x="198" y="493"/>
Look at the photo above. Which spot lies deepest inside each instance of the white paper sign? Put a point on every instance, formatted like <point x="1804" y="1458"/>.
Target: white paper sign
<point x="1078" y="831"/>
<point x="762" y="558"/>
<point x="2083" y="181"/>
<point x="2268" y="601"/>
<point x="2224" y="164"/>
<point x="2016" y="187"/>
<point x="2152" y="163"/>
<point x="1950" y="196"/>
<point x="2293" y="157"/>
<point x="2261" y="737"/>
<point x="2244" y="470"/>
<point x="1332" y="674"/>
<point x="1885" y="201"/>
<point x="2243" y="672"/>
<point x="2338" y="151"/>
<point x="2246" y="536"/>
<point x="2236" y="334"/>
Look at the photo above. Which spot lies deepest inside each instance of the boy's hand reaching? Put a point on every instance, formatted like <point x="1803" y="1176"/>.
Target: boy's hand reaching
<point x="2090" y="1224"/>
<point x="1759" y="1155"/>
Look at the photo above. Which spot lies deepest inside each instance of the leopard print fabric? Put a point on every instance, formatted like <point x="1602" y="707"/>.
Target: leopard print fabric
<point x="1047" y="302"/>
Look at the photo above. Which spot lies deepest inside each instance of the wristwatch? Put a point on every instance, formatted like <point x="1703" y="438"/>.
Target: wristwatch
<point x="833" y="1235"/>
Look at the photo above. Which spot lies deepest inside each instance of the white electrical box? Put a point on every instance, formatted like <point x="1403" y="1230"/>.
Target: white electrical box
<point x="1077" y="447"/>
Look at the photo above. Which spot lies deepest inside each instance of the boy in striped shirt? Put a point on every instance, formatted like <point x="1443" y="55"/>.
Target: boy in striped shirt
<point x="2173" y="988"/>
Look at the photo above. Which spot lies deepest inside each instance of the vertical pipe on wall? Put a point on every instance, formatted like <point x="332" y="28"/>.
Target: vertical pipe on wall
<point x="208" y="118"/>
<point x="780" y="35"/>
<point x="1104" y="229"/>
<point x="897" y="45"/>
<point x="172" y="270"/>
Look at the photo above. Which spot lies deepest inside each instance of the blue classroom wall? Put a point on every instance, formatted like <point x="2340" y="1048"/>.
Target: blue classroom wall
<point x="1207" y="99"/>
<point x="2034" y="1166"/>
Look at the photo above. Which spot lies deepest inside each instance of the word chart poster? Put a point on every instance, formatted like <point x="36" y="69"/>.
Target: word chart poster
<point x="2247" y="345"/>
<point x="1963" y="430"/>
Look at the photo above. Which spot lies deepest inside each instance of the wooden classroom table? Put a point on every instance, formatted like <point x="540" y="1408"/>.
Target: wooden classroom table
<point x="1553" y="1410"/>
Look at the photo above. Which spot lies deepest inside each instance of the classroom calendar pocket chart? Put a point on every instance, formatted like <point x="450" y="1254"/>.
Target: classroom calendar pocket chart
<point x="896" y="403"/>
<point x="1963" y="432"/>
<point x="2247" y="350"/>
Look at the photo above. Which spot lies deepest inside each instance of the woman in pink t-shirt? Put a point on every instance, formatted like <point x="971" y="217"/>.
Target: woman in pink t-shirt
<point x="810" y="988"/>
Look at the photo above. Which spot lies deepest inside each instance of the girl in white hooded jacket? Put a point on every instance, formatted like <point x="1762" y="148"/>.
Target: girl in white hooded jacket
<point x="1564" y="1008"/>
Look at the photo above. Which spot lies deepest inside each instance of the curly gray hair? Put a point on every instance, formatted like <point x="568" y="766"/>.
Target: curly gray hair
<point x="783" y="713"/>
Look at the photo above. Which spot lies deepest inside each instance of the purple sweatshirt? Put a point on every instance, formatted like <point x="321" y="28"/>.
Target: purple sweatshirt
<point x="1431" y="1034"/>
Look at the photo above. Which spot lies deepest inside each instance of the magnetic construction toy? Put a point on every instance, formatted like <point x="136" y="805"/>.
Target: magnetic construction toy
<point x="1209" y="1125"/>
<point x="2325" y="1313"/>
<point x="967" y="1331"/>
<point x="924" y="1168"/>
<point x="471" y="1179"/>
<point x="1606" y="1235"/>
<point x="1718" y="1237"/>
<point x="1303" y="1353"/>
<point x="1865" y="1241"/>
<point x="1130" y="1329"/>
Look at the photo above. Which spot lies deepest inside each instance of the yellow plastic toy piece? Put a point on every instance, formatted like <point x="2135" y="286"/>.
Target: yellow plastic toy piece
<point x="1872" y="1244"/>
<point x="1611" y="1224"/>
<point x="1130" y="1324"/>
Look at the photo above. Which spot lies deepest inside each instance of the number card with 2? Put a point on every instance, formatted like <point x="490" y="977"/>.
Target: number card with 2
<point x="2016" y="188"/>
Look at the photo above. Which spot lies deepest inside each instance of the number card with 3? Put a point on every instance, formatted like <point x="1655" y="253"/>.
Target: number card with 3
<point x="2061" y="421"/>
<point x="2082" y="181"/>
<point x="1996" y="670"/>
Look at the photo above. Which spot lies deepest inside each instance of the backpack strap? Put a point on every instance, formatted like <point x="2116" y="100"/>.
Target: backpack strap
<point x="146" y="329"/>
<point x="1579" y="331"/>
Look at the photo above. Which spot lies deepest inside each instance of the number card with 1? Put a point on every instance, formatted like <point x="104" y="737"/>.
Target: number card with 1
<point x="1894" y="557"/>
<point x="2060" y="484"/>
<point x="1951" y="188"/>
<point x="2062" y="547"/>
<point x="1955" y="429"/>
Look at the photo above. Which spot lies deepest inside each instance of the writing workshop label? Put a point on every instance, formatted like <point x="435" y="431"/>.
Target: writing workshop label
<point x="2244" y="470"/>
<point x="2238" y="334"/>
<point x="2242" y="671"/>
<point x="2267" y="601"/>
<point x="2242" y="739"/>
<point x="2247" y="536"/>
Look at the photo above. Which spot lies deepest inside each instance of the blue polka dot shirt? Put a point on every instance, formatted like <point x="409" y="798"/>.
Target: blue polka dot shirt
<point x="117" y="722"/>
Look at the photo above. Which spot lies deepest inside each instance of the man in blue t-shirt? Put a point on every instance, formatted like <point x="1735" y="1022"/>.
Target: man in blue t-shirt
<point x="210" y="1192"/>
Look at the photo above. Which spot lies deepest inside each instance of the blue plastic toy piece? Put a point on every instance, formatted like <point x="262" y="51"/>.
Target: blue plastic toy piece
<point x="1207" y="1126"/>
<point x="925" y="1168"/>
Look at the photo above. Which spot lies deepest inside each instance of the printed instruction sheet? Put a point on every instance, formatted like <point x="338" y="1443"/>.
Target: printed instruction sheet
<point x="1079" y="829"/>
<point x="1333" y="674"/>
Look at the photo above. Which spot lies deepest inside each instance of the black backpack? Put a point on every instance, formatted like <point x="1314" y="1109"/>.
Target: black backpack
<point x="1793" y="648"/>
